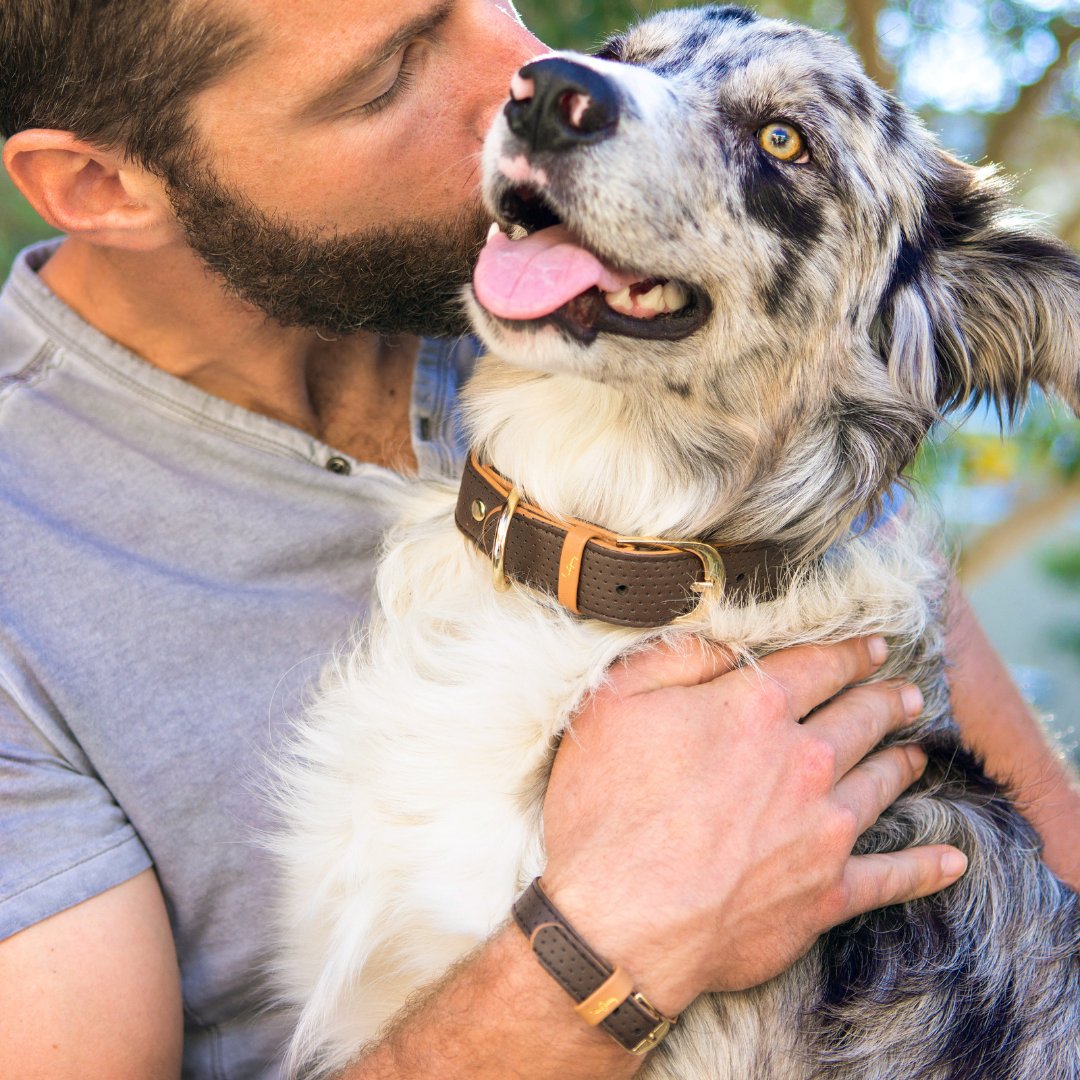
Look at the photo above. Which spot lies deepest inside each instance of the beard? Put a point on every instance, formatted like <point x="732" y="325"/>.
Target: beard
<point x="400" y="279"/>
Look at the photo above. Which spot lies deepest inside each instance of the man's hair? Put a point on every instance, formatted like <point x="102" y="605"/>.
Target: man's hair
<point x="117" y="73"/>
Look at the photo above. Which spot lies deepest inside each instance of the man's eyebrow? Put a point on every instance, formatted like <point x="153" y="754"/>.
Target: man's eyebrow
<point x="336" y="93"/>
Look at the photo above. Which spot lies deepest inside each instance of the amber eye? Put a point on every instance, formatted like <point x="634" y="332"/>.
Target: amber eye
<point x="783" y="141"/>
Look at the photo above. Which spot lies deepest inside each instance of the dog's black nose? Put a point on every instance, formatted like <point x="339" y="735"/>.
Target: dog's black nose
<point x="557" y="104"/>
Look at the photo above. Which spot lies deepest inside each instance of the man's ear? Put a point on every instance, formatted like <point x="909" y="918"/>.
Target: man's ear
<point x="982" y="303"/>
<point x="89" y="192"/>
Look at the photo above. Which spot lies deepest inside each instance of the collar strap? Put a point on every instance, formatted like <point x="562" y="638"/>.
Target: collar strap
<point x="630" y="581"/>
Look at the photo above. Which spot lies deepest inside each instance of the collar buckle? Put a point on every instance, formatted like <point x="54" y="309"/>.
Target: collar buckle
<point x="711" y="560"/>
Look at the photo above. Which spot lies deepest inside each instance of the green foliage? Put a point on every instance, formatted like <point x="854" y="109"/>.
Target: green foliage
<point x="19" y="225"/>
<point x="1063" y="565"/>
<point x="1042" y="450"/>
<point x="574" y="24"/>
<point x="571" y="24"/>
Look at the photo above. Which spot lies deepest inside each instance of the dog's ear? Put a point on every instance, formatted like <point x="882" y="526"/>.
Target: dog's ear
<point x="981" y="302"/>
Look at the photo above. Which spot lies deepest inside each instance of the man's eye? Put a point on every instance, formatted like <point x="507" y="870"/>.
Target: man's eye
<point x="401" y="70"/>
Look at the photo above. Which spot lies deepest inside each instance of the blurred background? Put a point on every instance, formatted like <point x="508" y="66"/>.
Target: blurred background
<point x="998" y="82"/>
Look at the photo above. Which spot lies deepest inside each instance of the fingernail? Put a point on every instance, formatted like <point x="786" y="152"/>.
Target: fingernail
<point x="917" y="757"/>
<point x="879" y="649"/>
<point x="953" y="863"/>
<point x="912" y="698"/>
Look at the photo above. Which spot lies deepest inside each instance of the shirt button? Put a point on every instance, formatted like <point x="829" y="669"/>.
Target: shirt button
<point x="339" y="465"/>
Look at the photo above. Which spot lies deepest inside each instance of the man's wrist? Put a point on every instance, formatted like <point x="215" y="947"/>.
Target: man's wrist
<point x="647" y="949"/>
<point x="604" y="994"/>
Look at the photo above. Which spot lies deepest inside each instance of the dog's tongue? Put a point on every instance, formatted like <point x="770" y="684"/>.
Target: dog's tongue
<point x="530" y="278"/>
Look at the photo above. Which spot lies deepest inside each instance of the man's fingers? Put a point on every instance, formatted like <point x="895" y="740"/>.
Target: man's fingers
<point x="876" y="783"/>
<point x="810" y="675"/>
<point x="805" y="675"/>
<point x="688" y="662"/>
<point x="873" y="881"/>
<point x="860" y="718"/>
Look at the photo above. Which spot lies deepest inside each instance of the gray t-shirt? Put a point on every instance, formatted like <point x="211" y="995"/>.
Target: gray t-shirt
<point x="173" y="571"/>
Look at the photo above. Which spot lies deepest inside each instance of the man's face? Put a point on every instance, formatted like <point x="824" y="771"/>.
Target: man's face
<point x="339" y="187"/>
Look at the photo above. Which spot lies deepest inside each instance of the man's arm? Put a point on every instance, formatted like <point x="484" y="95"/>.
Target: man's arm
<point x="997" y="723"/>
<point x="93" y="993"/>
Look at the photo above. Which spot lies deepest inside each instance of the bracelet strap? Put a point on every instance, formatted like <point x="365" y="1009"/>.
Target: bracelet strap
<point x="605" y="996"/>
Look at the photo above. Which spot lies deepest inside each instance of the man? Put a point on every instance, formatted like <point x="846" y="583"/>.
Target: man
<point x="191" y="494"/>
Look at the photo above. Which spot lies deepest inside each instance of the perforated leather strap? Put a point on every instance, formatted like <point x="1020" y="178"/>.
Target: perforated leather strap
<point x="592" y="573"/>
<point x="603" y="994"/>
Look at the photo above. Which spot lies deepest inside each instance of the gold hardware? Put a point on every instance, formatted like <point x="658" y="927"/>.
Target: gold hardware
<point x="715" y="574"/>
<point x="663" y="1024"/>
<point x="498" y="549"/>
<point x="478" y="510"/>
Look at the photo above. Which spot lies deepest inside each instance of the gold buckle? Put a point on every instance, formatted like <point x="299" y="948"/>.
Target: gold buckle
<point x="498" y="549"/>
<point x="711" y="559"/>
<point x="663" y="1025"/>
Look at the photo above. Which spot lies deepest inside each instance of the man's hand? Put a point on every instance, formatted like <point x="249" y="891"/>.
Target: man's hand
<point x="700" y="835"/>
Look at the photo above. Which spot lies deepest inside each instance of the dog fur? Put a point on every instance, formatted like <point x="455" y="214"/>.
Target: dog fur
<point x="853" y="300"/>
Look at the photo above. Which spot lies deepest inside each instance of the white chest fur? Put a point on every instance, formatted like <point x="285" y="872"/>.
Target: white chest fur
<point x="413" y="799"/>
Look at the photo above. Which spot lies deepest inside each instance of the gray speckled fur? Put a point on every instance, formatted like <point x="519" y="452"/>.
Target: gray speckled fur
<point x="854" y="301"/>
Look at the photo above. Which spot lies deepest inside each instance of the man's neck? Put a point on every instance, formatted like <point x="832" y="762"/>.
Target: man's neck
<point x="165" y="307"/>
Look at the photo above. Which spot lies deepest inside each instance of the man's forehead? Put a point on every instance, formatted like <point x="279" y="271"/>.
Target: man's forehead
<point x="296" y="48"/>
<point x="276" y="22"/>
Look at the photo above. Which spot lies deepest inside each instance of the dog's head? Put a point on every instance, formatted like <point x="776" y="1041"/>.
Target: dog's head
<point x="726" y="215"/>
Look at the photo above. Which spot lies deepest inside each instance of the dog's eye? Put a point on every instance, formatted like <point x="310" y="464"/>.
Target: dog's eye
<point x="783" y="141"/>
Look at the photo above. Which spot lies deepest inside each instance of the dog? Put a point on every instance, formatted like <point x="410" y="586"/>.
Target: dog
<point x="731" y="286"/>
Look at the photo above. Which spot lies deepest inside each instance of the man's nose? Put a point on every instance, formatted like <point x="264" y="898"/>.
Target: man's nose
<point x="558" y="104"/>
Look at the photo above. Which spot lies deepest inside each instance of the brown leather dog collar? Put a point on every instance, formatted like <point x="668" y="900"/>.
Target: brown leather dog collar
<point x="630" y="581"/>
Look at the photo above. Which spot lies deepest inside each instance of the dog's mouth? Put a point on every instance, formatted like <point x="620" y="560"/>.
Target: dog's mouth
<point x="547" y="275"/>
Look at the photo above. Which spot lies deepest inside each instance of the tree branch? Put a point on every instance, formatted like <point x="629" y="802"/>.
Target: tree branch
<point x="862" y="17"/>
<point x="1005" y="126"/>
<point x="1019" y="530"/>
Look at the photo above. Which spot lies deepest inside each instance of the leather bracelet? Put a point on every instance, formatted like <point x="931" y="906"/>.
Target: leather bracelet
<point x="604" y="996"/>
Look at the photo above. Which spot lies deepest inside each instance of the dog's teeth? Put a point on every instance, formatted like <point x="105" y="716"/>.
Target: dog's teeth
<point x="517" y="232"/>
<point x="494" y="230"/>
<point x="621" y="300"/>
<point x="653" y="300"/>
<point x="675" y="298"/>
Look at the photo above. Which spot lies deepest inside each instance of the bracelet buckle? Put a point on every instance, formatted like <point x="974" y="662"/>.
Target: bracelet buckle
<point x="663" y="1024"/>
